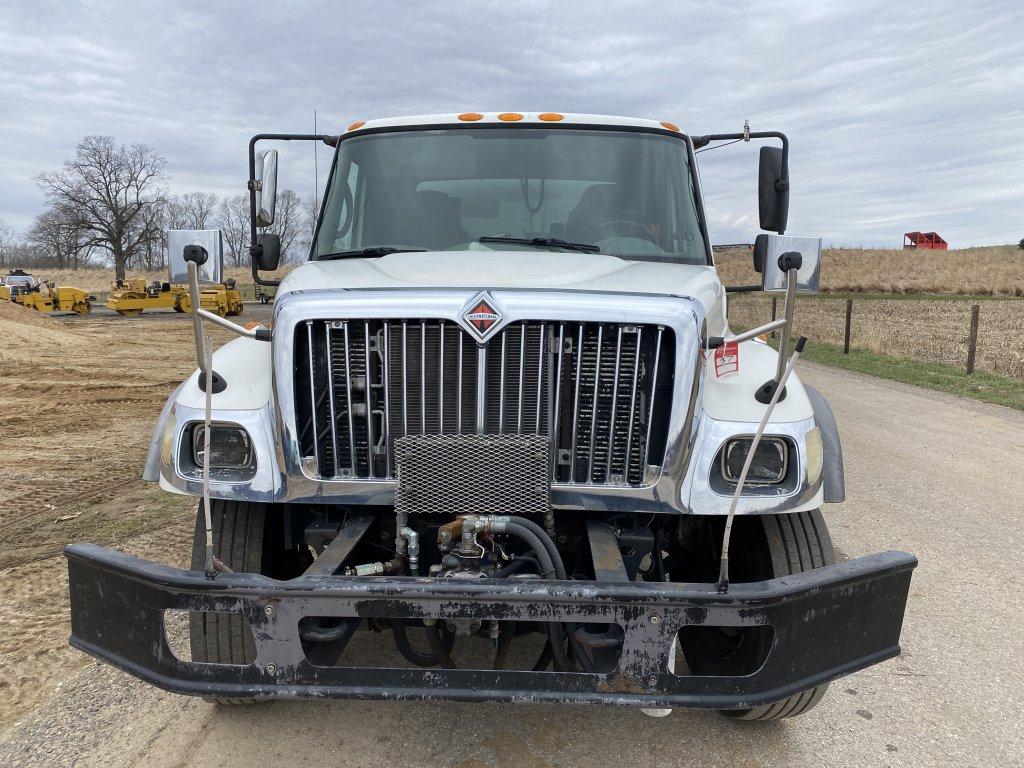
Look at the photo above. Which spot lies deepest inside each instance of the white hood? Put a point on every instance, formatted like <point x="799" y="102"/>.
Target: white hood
<point x="514" y="270"/>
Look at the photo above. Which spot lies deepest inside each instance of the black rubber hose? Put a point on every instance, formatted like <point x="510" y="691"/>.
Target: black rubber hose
<point x="399" y="628"/>
<point x="560" y="573"/>
<point x="515" y="565"/>
<point x="549" y="545"/>
<point x="438" y="647"/>
<point x="545" y="658"/>
<point x="555" y="629"/>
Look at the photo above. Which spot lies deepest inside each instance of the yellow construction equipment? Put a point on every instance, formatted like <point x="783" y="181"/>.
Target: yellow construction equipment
<point x="43" y="295"/>
<point x="131" y="297"/>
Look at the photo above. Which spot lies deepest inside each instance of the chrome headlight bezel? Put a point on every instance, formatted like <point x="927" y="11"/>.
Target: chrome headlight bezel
<point x="190" y="454"/>
<point x="730" y="472"/>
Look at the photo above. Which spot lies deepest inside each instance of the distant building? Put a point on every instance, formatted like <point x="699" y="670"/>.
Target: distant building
<point x="927" y="240"/>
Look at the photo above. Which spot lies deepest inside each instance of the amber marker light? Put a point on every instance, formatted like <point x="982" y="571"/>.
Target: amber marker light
<point x="356" y="125"/>
<point x="510" y="117"/>
<point x="670" y="126"/>
<point x="550" y="117"/>
<point x="470" y="117"/>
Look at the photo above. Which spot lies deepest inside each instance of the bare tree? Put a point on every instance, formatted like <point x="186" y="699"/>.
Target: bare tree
<point x="192" y="210"/>
<point x="114" y="192"/>
<point x="7" y="243"/>
<point x="233" y="219"/>
<point x="60" y="239"/>
<point x="310" y="213"/>
<point x="289" y="225"/>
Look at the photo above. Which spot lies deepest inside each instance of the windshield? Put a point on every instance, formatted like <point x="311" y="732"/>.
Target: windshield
<point x="624" y="193"/>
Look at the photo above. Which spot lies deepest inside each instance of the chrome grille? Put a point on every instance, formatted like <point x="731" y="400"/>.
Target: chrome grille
<point x="590" y="388"/>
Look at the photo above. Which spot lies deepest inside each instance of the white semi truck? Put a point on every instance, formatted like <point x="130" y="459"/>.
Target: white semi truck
<point x="500" y="415"/>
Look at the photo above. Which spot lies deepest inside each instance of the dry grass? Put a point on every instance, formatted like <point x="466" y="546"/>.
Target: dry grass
<point x="991" y="271"/>
<point x="932" y="331"/>
<point x="101" y="280"/>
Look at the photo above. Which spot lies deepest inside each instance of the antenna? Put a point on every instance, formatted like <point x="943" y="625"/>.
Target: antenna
<point x="316" y="167"/>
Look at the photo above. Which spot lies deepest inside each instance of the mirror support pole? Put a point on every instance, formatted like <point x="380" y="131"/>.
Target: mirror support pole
<point x="790" y="263"/>
<point x="787" y="329"/>
<point x="209" y="380"/>
<point x="254" y="246"/>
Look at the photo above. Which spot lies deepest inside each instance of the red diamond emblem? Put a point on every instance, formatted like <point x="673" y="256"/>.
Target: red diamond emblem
<point x="482" y="317"/>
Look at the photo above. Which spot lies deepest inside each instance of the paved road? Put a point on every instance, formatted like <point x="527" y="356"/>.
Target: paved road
<point x="929" y="473"/>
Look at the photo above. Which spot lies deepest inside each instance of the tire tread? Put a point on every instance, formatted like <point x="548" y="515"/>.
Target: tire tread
<point x="797" y="542"/>
<point x="226" y="638"/>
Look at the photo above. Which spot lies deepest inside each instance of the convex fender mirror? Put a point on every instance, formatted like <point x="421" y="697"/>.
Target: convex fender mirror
<point x="768" y="253"/>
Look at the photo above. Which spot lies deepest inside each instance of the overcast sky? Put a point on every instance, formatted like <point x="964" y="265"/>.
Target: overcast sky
<point x="902" y="115"/>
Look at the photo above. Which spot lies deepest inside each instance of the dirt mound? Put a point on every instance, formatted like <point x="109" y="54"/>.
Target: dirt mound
<point x="20" y="326"/>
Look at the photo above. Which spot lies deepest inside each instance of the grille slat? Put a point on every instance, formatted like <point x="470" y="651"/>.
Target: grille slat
<point x="591" y="389"/>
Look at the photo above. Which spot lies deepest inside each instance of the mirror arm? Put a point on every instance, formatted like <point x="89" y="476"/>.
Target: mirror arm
<point x="254" y="247"/>
<point x="782" y="185"/>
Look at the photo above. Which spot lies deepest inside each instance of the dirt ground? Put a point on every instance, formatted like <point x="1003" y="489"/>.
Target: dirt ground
<point x="78" y="400"/>
<point x="954" y="697"/>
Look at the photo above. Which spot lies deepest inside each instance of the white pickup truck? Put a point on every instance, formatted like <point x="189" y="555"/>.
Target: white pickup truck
<point x="500" y="416"/>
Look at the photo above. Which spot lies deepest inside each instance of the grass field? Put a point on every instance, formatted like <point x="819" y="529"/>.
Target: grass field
<point x="926" y="331"/>
<point x="99" y="280"/>
<point x="988" y="387"/>
<point x="991" y="271"/>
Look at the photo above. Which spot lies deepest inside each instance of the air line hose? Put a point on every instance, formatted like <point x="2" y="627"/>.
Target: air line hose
<point x="561" y="574"/>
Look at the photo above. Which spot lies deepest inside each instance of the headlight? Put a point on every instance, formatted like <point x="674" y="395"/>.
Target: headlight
<point x="815" y="456"/>
<point x="769" y="466"/>
<point x="230" y="447"/>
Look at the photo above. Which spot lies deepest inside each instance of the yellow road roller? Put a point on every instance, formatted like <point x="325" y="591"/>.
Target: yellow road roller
<point x="43" y="295"/>
<point x="131" y="297"/>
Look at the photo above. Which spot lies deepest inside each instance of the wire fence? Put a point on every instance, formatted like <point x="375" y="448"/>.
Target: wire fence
<point x="984" y="335"/>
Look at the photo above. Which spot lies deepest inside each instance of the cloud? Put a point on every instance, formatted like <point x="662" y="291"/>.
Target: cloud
<point x="902" y="115"/>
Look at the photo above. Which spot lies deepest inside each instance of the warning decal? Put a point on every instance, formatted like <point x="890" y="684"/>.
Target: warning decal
<point x="727" y="359"/>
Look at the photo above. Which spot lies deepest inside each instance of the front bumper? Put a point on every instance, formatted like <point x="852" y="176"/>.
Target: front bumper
<point x="826" y="623"/>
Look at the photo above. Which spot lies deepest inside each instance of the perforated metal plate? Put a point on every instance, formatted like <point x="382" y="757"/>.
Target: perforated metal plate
<point x="472" y="474"/>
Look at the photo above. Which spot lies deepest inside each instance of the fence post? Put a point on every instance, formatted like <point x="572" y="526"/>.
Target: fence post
<point x="775" y="307"/>
<point x="846" y="333"/>
<point x="972" y="340"/>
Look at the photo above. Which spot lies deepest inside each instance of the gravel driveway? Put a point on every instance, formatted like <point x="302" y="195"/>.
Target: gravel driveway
<point x="938" y="476"/>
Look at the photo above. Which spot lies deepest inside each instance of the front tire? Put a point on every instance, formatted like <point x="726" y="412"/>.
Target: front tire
<point x="766" y="547"/>
<point x="238" y="541"/>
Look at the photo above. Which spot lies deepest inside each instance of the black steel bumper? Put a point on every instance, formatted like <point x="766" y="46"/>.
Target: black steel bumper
<point x="826" y="623"/>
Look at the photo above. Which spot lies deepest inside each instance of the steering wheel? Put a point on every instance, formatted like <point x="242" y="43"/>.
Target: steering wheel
<point x="643" y="232"/>
<point x="346" y="203"/>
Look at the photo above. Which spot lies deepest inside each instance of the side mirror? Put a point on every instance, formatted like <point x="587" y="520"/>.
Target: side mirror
<point x="808" y="276"/>
<point x="772" y="190"/>
<point x="269" y="251"/>
<point x="266" y="187"/>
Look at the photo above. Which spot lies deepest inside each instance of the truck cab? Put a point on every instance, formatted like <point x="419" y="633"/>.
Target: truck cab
<point x="501" y="403"/>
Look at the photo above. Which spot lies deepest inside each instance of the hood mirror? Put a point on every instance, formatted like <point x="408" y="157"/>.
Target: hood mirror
<point x="769" y="248"/>
<point x="266" y="187"/>
<point x="211" y="271"/>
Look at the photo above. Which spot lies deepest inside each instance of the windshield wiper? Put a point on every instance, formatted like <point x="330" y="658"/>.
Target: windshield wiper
<point x="373" y="250"/>
<point x="542" y="242"/>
